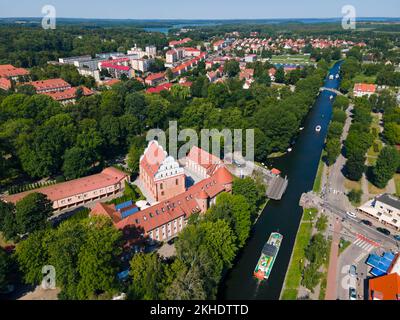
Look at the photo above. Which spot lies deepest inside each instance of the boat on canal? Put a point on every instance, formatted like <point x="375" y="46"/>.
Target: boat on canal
<point x="318" y="129"/>
<point x="268" y="256"/>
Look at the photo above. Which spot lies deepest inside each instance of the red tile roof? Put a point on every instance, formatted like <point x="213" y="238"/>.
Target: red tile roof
<point x="7" y="71"/>
<point x="161" y="87"/>
<point x="68" y="94"/>
<point x="179" y="42"/>
<point x="112" y="65"/>
<point x="50" y="84"/>
<point x="365" y="87"/>
<point x="111" y="82"/>
<point x="156" y="76"/>
<point x="107" y="177"/>
<point x="385" y="288"/>
<point x="5" y="84"/>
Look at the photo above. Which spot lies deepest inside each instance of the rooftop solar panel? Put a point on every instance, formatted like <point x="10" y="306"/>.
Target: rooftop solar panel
<point x="129" y="212"/>
<point x="123" y="205"/>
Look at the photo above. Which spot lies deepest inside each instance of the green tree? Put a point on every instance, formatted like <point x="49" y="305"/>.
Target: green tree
<point x="77" y="163"/>
<point x="235" y="210"/>
<point x="8" y="225"/>
<point x="98" y="259"/>
<point x="232" y="68"/>
<point x="333" y="148"/>
<point x="5" y="268"/>
<point x="355" y="167"/>
<point x="147" y="276"/>
<point x="32" y="213"/>
<point x="386" y="166"/>
<point x="32" y="256"/>
<point x="392" y="133"/>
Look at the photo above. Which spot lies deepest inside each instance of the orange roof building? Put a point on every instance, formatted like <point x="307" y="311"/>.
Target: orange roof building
<point x="364" y="89"/>
<point x="78" y="192"/>
<point x="68" y="95"/>
<point x="10" y="72"/>
<point x="50" y="85"/>
<point x="385" y="288"/>
<point x="167" y="218"/>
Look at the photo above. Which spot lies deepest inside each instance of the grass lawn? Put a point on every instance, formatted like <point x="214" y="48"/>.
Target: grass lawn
<point x="375" y="190"/>
<point x="397" y="182"/>
<point x="318" y="178"/>
<point x="310" y="214"/>
<point x="372" y="154"/>
<point x="344" y="245"/>
<point x="294" y="273"/>
<point x="291" y="58"/>
<point x="350" y="185"/>
<point x="364" y="79"/>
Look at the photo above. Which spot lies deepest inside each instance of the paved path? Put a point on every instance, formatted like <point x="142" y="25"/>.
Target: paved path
<point x="331" y="288"/>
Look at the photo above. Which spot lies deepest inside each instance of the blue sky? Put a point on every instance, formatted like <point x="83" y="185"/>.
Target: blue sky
<point x="199" y="9"/>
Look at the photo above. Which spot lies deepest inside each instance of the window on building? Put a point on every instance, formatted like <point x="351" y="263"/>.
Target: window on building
<point x="161" y="186"/>
<point x="176" y="181"/>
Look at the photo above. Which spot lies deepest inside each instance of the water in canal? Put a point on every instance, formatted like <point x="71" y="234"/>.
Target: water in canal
<point x="284" y="216"/>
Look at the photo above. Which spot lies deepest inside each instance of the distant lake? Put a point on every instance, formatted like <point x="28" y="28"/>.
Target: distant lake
<point x="165" y="30"/>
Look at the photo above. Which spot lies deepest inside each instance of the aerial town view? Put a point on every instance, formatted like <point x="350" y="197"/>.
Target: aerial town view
<point x="217" y="151"/>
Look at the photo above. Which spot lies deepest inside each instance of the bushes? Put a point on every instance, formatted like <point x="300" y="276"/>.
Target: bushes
<point x="28" y="187"/>
<point x="355" y="196"/>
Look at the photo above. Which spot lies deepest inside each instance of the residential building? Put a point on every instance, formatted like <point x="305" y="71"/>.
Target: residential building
<point x="142" y="65"/>
<point x="160" y="174"/>
<point x="155" y="78"/>
<point x="75" y="60"/>
<point x="175" y="43"/>
<point x="218" y="45"/>
<point x="12" y="73"/>
<point x="79" y="192"/>
<point x="69" y="95"/>
<point x="364" y="89"/>
<point x="166" y="219"/>
<point x="384" y="208"/>
<point x="50" y="85"/>
<point x="250" y="58"/>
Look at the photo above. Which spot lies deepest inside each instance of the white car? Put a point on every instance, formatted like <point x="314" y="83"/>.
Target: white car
<point x="351" y="214"/>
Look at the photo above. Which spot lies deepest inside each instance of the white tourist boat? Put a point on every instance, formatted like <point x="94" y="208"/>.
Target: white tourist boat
<point x="318" y="129"/>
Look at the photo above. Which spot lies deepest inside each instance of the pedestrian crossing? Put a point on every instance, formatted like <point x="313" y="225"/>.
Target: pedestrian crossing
<point x="365" y="244"/>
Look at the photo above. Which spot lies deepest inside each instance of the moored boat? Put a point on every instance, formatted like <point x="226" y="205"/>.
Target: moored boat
<point x="268" y="256"/>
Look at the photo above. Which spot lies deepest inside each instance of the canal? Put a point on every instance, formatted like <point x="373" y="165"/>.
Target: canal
<point x="300" y="166"/>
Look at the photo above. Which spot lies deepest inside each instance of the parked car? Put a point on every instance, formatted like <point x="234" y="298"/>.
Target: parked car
<point x="397" y="237"/>
<point x="367" y="222"/>
<point x="351" y="214"/>
<point x="384" y="231"/>
<point x="352" y="294"/>
<point x="353" y="271"/>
